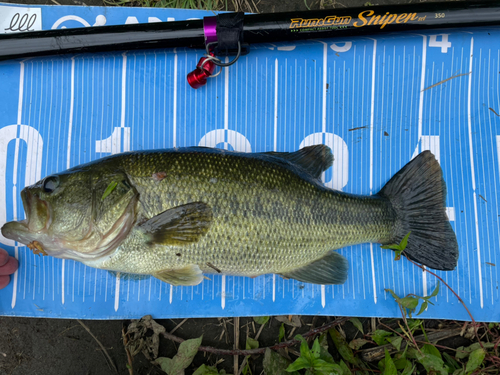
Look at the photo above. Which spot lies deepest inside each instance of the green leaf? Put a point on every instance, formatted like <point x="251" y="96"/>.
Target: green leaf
<point x="275" y="364"/>
<point x="165" y="363"/>
<point x="295" y="322"/>
<point x="464" y="352"/>
<point x="261" y="319"/>
<point x="431" y="349"/>
<point x="390" y="368"/>
<point x="411" y="353"/>
<point x="379" y="336"/>
<point x="396" y="342"/>
<point x="324" y="354"/>
<point x="299" y="364"/>
<point x="344" y="368"/>
<point x="400" y="363"/>
<point x="409" y="302"/>
<point x="394" y="295"/>
<point x="356" y="323"/>
<point x="392" y="247"/>
<point x="206" y="370"/>
<point x="316" y="349"/>
<point x="397" y="254"/>
<point x="251" y="344"/>
<point x="408" y="370"/>
<point x="342" y="346"/>
<point x="432" y="363"/>
<point x="305" y="353"/>
<point x="357" y="343"/>
<point x="422" y="307"/>
<point x="436" y="291"/>
<point x="282" y="332"/>
<point x="401" y="246"/>
<point x="404" y="241"/>
<point x="450" y="361"/>
<point x="183" y="358"/>
<point x="475" y="360"/>
<point x="414" y="323"/>
<point x="320" y="365"/>
<point x="109" y="190"/>
<point x="323" y="340"/>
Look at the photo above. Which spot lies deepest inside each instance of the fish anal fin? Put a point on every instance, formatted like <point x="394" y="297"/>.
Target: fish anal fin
<point x="331" y="269"/>
<point x="179" y="225"/>
<point x="186" y="276"/>
<point x="312" y="159"/>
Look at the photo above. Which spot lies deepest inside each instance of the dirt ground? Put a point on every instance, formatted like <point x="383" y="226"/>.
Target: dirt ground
<point x="62" y="346"/>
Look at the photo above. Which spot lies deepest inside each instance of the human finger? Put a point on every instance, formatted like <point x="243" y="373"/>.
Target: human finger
<point x="10" y="267"/>
<point x="4" y="281"/>
<point x="4" y="257"/>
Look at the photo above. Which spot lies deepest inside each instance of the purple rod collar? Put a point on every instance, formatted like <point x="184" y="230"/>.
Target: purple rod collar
<point x="210" y="29"/>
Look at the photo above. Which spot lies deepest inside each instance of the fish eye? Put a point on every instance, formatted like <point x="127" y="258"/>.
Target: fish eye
<point x="50" y="184"/>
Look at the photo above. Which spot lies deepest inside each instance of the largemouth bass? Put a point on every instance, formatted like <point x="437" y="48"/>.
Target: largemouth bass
<point x="176" y="214"/>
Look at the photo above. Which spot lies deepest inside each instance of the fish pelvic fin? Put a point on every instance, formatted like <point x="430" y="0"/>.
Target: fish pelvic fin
<point x="312" y="159"/>
<point x="417" y="195"/>
<point x="331" y="269"/>
<point x="187" y="276"/>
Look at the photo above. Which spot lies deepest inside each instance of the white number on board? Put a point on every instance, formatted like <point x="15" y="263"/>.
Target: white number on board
<point x="443" y="43"/>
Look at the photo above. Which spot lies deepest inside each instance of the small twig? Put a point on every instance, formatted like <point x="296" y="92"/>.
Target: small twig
<point x="377" y="353"/>
<point x="213" y="267"/>
<point x="178" y="326"/>
<point x="456" y="295"/>
<point x="409" y="334"/>
<point x="129" y="356"/>
<point x="225" y="330"/>
<point x="67" y="329"/>
<point x="236" y="343"/>
<point x="285" y="344"/>
<point x="446" y="80"/>
<point x="102" y="346"/>
<point x="245" y="359"/>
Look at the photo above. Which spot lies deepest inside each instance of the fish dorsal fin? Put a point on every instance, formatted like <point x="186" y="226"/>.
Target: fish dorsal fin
<point x="186" y="276"/>
<point x="331" y="269"/>
<point x="179" y="225"/>
<point x="313" y="159"/>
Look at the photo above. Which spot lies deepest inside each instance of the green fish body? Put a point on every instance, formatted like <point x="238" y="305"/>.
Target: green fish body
<point x="176" y="214"/>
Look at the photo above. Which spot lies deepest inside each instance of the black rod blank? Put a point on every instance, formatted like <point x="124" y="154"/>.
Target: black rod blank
<point x="258" y="28"/>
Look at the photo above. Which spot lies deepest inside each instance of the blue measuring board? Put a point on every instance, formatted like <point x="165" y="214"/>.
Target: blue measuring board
<point x="376" y="101"/>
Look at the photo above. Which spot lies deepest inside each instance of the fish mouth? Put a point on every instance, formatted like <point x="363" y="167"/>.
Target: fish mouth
<point x="37" y="212"/>
<point x="38" y="220"/>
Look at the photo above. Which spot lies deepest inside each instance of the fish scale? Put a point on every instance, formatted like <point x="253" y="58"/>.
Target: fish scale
<point x="266" y="216"/>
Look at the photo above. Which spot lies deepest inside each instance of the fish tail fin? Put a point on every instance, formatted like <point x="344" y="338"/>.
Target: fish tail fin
<point x="417" y="195"/>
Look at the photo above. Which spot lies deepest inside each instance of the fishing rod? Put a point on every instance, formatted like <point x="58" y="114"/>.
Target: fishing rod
<point x="230" y="34"/>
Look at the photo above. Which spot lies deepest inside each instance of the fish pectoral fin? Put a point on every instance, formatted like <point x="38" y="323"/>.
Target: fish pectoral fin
<point x="187" y="276"/>
<point x="331" y="269"/>
<point x="179" y="225"/>
<point x="313" y="159"/>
